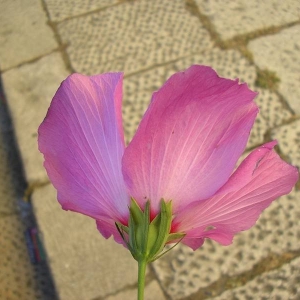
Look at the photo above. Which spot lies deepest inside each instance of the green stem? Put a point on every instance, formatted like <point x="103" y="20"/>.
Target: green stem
<point x="142" y="264"/>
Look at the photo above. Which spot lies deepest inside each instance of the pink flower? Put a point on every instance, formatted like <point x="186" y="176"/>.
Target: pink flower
<point x="185" y="150"/>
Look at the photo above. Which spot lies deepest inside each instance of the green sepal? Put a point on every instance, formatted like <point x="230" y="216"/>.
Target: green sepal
<point x="145" y="228"/>
<point x="138" y="227"/>
<point x="163" y="253"/>
<point x="146" y="240"/>
<point x="162" y="227"/>
<point x="175" y="236"/>
<point x="122" y="227"/>
<point x="132" y="233"/>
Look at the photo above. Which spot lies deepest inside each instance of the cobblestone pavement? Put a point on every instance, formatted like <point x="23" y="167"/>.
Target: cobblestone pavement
<point x="42" y="41"/>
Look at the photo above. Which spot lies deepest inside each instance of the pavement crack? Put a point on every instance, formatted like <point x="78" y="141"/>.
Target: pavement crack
<point x="192" y="7"/>
<point x="30" y="61"/>
<point x="103" y="8"/>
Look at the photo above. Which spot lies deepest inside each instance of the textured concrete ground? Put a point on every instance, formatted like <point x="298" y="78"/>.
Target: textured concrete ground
<point x="42" y="41"/>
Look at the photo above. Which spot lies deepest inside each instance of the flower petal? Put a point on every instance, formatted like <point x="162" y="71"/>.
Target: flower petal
<point x="108" y="228"/>
<point x="190" y="138"/>
<point x="261" y="178"/>
<point x="82" y="142"/>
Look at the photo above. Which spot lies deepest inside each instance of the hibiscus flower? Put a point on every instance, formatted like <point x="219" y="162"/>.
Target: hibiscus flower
<point x="184" y="153"/>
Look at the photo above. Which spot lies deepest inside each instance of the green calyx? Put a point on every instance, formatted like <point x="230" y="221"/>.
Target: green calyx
<point x="146" y="240"/>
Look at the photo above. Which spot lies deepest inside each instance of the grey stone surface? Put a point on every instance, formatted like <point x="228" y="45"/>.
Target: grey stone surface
<point x="62" y="9"/>
<point x="7" y="192"/>
<point x="138" y="90"/>
<point x="281" y="53"/>
<point x="133" y="36"/>
<point x="288" y="137"/>
<point x="281" y="284"/>
<point x="149" y="41"/>
<point x="24" y="33"/>
<point x="83" y="263"/>
<point x="184" y="272"/>
<point x="229" y="64"/>
<point x="11" y="177"/>
<point x="233" y="18"/>
<point x="152" y="292"/>
<point x="271" y="113"/>
<point x="29" y="90"/>
<point x="18" y="278"/>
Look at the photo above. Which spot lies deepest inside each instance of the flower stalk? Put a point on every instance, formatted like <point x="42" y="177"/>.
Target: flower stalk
<point x="146" y="238"/>
<point x="142" y="265"/>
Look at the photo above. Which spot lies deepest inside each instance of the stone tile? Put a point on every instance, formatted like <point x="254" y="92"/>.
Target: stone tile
<point x="231" y="64"/>
<point x="84" y="265"/>
<point x="62" y="9"/>
<point x="19" y="279"/>
<point x="17" y="276"/>
<point x="152" y="292"/>
<point x="7" y="193"/>
<point x="24" y="33"/>
<point x="139" y="88"/>
<point x="29" y="90"/>
<point x="183" y="272"/>
<point x="281" y="53"/>
<point x="279" y="284"/>
<point x="12" y="183"/>
<point x="233" y="18"/>
<point x="133" y="36"/>
<point x="288" y="137"/>
<point x="271" y="113"/>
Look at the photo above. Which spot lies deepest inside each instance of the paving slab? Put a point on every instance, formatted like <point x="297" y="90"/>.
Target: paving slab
<point x="288" y="137"/>
<point x="84" y="265"/>
<point x="63" y="9"/>
<point x="232" y="18"/>
<point x="152" y="292"/>
<point x="24" y="32"/>
<point x="184" y="272"/>
<point x="29" y="90"/>
<point x="281" y="53"/>
<point x="138" y="90"/>
<point x="280" y="284"/>
<point x="133" y="36"/>
<point x="272" y="113"/>
<point x="18" y="278"/>
<point x="230" y="64"/>
<point x="12" y="182"/>
<point x="7" y="191"/>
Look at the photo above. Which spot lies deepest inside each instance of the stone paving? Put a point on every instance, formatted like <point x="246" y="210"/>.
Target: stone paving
<point x="42" y="41"/>
<point x="19" y="279"/>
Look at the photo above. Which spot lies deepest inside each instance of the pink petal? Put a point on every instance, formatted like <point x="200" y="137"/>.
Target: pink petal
<point x="83" y="144"/>
<point x="107" y="228"/>
<point x="190" y="138"/>
<point x="261" y="178"/>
